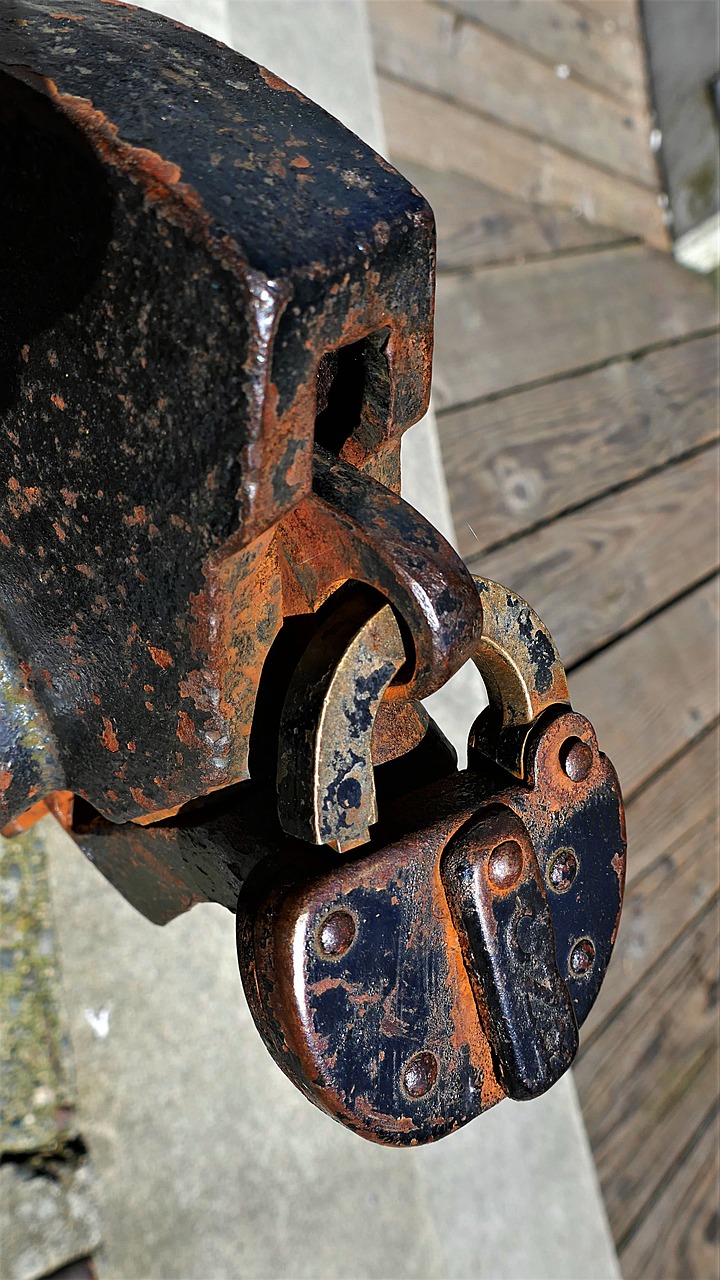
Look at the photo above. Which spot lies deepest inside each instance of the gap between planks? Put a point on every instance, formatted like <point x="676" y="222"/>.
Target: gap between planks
<point x="661" y="344"/>
<point x="516" y="326"/>
<point x="471" y="66"/>
<point x="652" y="1073"/>
<point x="651" y="692"/>
<point x="555" y="32"/>
<point x="672" y="872"/>
<point x="517" y="462"/>
<point x="599" y="572"/>
<point x="440" y="135"/>
<point x="548" y="255"/>
<point x="478" y="226"/>
<point x="680" y="1245"/>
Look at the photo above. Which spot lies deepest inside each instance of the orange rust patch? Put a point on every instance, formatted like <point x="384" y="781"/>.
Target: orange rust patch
<point x="140" y="798"/>
<point x="14" y="484"/>
<point x="161" y="657"/>
<point x="274" y="82"/>
<point x="58" y="400"/>
<point x="186" y="730"/>
<point x="109" y="736"/>
<point x="58" y="803"/>
<point x="159" y="815"/>
<point x="300" y="162"/>
<point x="5" y="779"/>
<point x="159" y="178"/>
<point x="138" y="516"/>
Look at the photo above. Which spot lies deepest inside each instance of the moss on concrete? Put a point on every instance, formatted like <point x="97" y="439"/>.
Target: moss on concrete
<point x="37" y="1099"/>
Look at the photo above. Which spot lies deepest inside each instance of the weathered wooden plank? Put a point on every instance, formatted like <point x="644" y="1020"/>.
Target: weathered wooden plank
<point x="654" y="690"/>
<point x="673" y="871"/>
<point x="678" y="1235"/>
<point x="449" y="138"/>
<point x="430" y="48"/>
<point x="681" y="797"/>
<point x="514" y="462"/>
<point x="553" y="30"/>
<point x="597" y="572"/>
<point x="646" y="1082"/>
<point x="477" y="225"/>
<point x="507" y="326"/>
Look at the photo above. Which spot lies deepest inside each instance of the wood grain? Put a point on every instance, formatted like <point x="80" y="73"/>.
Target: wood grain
<point x="653" y="691"/>
<point x="430" y="48"/>
<point x="677" y="800"/>
<point x="678" y="1237"/>
<point x="651" y="1076"/>
<point x="596" y="572"/>
<point x="555" y="31"/>
<point x="514" y="462"/>
<point x="448" y="138"/>
<point x="507" y="326"/>
<point x="673" y="872"/>
<point x="477" y="225"/>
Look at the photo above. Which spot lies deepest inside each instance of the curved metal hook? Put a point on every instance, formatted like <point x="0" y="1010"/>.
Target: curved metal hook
<point x="519" y="662"/>
<point x="325" y="783"/>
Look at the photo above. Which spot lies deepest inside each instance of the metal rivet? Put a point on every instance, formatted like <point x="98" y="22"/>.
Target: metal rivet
<point x="336" y="934"/>
<point x="562" y="870"/>
<point x="505" y="864"/>
<point x="420" y="1074"/>
<point x="582" y="958"/>
<point x="576" y="758"/>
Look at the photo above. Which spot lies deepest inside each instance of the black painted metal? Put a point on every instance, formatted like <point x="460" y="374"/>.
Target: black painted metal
<point x="182" y="238"/>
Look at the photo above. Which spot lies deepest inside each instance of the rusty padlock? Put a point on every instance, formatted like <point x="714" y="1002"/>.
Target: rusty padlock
<point x="411" y="985"/>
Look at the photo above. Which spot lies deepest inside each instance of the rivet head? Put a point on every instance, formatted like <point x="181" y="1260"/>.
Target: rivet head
<point x="576" y="758"/>
<point x="505" y="864"/>
<point x="582" y="958"/>
<point x="562" y="870"/>
<point x="336" y="934"/>
<point x="420" y="1074"/>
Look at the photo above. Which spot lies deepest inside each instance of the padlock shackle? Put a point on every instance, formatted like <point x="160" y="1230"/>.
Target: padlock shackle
<point x="523" y="673"/>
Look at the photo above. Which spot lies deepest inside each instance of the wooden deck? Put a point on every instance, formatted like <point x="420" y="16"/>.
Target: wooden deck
<point x="576" y="387"/>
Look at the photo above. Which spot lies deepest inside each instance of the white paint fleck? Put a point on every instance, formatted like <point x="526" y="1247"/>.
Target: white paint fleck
<point x="43" y="1096"/>
<point x="562" y="71"/>
<point x="100" y="1021"/>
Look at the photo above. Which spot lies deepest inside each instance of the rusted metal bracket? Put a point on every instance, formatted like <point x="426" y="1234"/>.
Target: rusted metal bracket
<point x="220" y="326"/>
